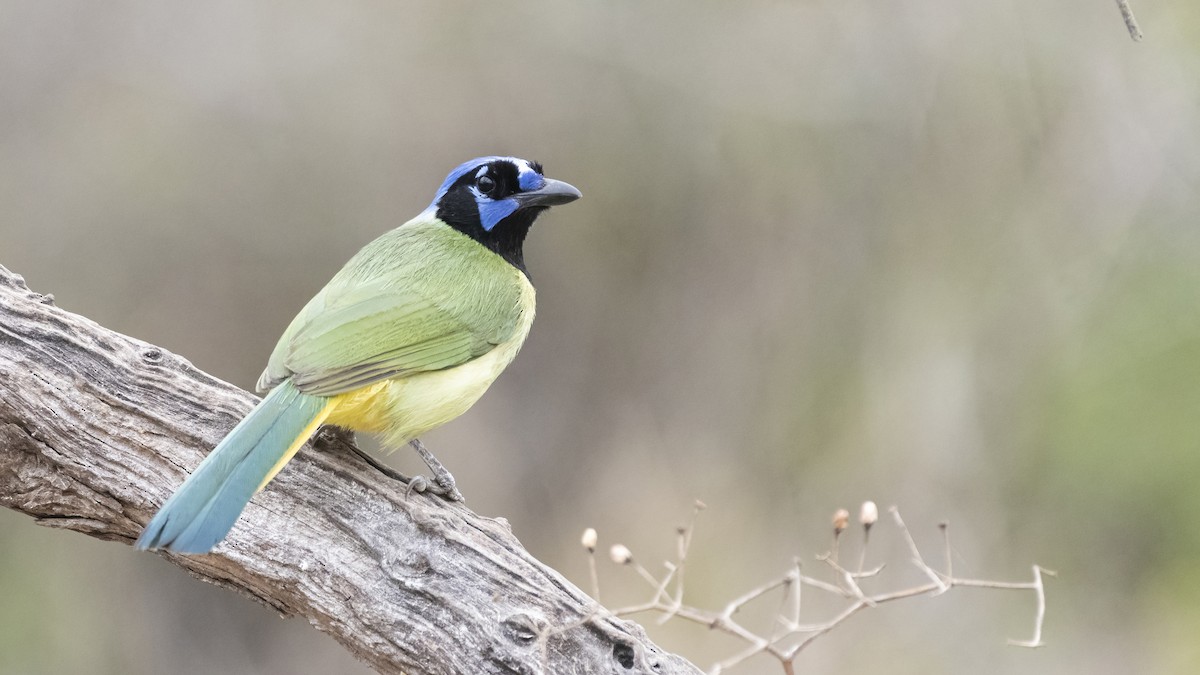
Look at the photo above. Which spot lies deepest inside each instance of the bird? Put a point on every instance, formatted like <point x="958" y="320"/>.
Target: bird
<point x="406" y="337"/>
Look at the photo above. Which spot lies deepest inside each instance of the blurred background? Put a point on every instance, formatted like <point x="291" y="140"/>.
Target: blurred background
<point x="936" y="254"/>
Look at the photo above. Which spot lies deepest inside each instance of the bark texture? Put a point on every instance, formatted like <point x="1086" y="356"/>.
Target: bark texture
<point x="97" y="429"/>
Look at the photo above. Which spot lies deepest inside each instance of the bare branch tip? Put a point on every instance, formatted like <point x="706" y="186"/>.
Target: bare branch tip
<point x="1025" y="644"/>
<point x="1131" y="23"/>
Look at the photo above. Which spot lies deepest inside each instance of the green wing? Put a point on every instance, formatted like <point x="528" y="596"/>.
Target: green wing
<point x="404" y="304"/>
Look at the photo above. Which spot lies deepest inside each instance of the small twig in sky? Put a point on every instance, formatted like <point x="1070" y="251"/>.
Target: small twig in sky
<point x="683" y="544"/>
<point x="589" y="540"/>
<point x="918" y="560"/>
<point x="945" y="528"/>
<point x="1040" y="589"/>
<point x="1130" y="20"/>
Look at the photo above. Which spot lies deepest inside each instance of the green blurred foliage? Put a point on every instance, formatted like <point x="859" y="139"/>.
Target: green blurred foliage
<point x="940" y="255"/>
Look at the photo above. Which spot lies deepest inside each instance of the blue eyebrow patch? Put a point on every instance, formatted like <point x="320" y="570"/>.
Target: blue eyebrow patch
<point x="529" y="180"/>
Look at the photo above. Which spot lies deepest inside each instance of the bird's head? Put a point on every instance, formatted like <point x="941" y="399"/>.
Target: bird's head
<point x="494" y="200"/>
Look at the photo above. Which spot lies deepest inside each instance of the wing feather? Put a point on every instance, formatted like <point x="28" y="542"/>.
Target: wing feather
<point x="444" y="308"/>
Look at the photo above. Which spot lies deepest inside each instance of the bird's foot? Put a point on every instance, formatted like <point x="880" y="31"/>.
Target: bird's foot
<point x="441" y="485"/>
<point x="422" y="485"/>
<point x="443" y="482"/>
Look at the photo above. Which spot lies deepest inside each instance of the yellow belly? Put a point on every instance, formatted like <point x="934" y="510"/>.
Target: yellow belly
<point x="404" y="408"/>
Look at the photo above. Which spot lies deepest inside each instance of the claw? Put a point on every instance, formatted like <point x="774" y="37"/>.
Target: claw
<point x="417" y="484"/>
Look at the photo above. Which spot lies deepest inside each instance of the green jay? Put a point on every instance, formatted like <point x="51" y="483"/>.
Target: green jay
<point x="406" y="337"/>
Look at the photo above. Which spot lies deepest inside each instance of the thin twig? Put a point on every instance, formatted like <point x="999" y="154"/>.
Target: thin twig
<point x="1131" y="23"/>
<point x="945" y="528"/>
<point x="595" y="577"/>
<point x="918" y="560"/>
<point x="862" y="554"/>
<point x="851" y="579"/>
<point x="781" y="621"/>
<point x="736" y="605"/>
<point x="683" y="545"/>
<point x="1040" y="589"/>
<point x="799" y="587"/>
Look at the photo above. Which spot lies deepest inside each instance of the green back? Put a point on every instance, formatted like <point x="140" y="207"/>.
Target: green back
<point x="421" y="297"/>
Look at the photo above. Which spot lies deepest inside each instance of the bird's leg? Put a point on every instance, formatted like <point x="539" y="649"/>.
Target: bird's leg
<point x="441" y="485"/>
<point x="385" y="469"/>
<point x="330" y="434"/>
<point x="443" y="482"/>
<point x="414" y="483"/>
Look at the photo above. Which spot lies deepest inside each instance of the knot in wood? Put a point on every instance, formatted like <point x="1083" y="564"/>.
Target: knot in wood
<point x="522" y="628"/>
<point x="408" y="566"/>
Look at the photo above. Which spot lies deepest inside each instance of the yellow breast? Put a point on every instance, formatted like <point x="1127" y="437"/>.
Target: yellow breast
<point x="402" y="409"/>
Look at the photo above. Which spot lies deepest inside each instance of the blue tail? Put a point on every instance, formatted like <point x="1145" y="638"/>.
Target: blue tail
<point x="205" y="507"/>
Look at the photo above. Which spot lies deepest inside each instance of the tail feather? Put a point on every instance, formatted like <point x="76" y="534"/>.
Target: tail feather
<point x="205" y="507"/>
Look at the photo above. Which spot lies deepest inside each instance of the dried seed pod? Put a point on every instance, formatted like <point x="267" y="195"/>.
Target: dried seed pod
<point x="868" y="514"/>
<point x="589" y="539"/>
<point x="620" y="554"/>
<point x="841" y="519"/>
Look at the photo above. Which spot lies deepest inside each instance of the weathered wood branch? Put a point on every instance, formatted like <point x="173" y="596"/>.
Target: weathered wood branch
<point x="97" y="429"/>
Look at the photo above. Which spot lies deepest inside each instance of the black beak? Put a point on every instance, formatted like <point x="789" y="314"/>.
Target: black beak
<point x="553" y="193"/>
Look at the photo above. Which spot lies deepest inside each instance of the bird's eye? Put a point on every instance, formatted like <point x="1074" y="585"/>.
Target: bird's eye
<point x="485" y="184"/>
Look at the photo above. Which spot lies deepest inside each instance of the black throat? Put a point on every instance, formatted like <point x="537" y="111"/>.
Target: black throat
<point x="507" y="239"/>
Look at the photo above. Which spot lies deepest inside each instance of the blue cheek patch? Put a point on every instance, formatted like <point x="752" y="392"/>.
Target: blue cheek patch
<point x="529" y="180"/>
<point x="491" y="213"/>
